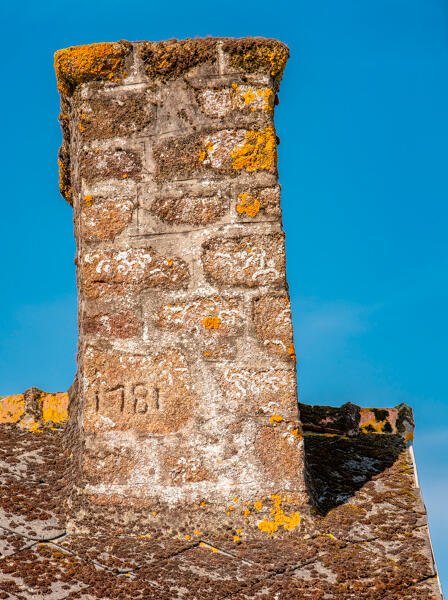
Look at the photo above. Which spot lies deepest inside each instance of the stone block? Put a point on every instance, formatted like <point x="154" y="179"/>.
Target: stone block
<point x="101" y="219"/>
<point x="149" y="393"/>
<point x="251" y="202"/>
<point x="271" y="393"/>
<point x="112" y="162"/>
<point x="106" y="273"/>
<point x="273" y="324"/>
<point x="120" y="116"/>
<point x="248" y="261"/>
<point x="122" y="325"/>
<point x="190" y="209"/>
<point x="239" y="97"/>
<point x="213" y="316"/>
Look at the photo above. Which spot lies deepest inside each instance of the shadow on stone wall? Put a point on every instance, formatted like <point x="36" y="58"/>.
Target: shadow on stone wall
<point x="341" y="455"/>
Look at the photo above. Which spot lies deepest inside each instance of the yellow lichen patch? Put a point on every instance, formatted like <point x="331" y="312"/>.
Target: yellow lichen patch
<point x="54" y="407"/>
<point x="206" y="354"/>
<point x="249" y="96"/>
<point x="31" y="426"/>
<point x="169" y="261"/>
<point x="258" y="505"/>
<point x="246" y="513"/>
<point x="211" y="322"/>
<point x="408" y="437"/>
<point x="327" y="535"/>
<point x="88" y="200"/>
<point x="276" y="419"/>
<point x="203" y="153"/>
<point x="292" y="353"/>
<point x="125" y="175"/>
<point x="187" y="537"/>
<point x="236" y="499"/>
<point x="258" y="153"/>
<point x="236" y="538"/>
<point x="249" y="205"/>
<point x="373" y="426"/>
<point x="197" y="532"/>
<point x="92" y="62"/>
<point x="203" y="503"/>
<point x="280" y="519"/>
<point x="296" y="434"/>
<point x="81" y="127"/>
<point x="11" y="408"/>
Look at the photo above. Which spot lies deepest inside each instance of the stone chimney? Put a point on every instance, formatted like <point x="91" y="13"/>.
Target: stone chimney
<point x="184" y="413"/>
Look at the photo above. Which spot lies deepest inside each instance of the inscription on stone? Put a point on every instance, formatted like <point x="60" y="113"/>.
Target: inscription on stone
<point x="136" y="398"/>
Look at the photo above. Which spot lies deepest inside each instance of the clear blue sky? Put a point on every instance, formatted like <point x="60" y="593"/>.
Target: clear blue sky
<point x="363" y="122"/>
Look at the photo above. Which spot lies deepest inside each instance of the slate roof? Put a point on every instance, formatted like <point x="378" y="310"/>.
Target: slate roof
<point x="370" y="538"/>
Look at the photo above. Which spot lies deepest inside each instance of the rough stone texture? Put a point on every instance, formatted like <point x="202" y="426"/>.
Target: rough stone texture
<point x="186" y="392"/>
<point x="366" y="539"/>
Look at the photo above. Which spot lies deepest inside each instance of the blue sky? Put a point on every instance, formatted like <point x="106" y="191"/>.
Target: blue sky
<point x="363" y="123"/>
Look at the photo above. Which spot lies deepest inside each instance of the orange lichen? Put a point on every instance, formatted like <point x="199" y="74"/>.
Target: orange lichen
<point x="258" y="153"/>
<point x="296" y="434"/>
<point x="408" y="437"/>
<point x="276" y="419"/>
<point x="203" y="153"/>
<point x="92" y="62"/>
<point x="88" y="200"/>
<point x="236" y="538"/>
<point x="124" y="176"/>
<point x="246" y="513"/>
<point x="204" y="545"/>
<point x="258" y="505"/>
<point x="280" y="519"/>
<point x="54" y="407"/>
<point x="258" y="54"/>
<point x="11" y="408"/>
<point x="65" y="187"/>
<point x="249" y="96"/>
<point x="169" y="261"/>
<point x="292" y="352"/>
<point x="211" y="322"/>
<point x="250" y="205"/>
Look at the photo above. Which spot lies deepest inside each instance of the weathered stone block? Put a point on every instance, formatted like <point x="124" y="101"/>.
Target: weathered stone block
<point x="189" y="209"/>
<point x="220" y="102"/>
<point x="260" y="392"/>
<point x="223" y="152"/>
<point x="150" y="393"/>
<point x="273" y="324"/>
<point x="115" y="162"/>
<point x="252" y="202"/>
<point x="247" y="260"/>
<point x="105" y="273"/>
<point x="214" y="316"/>
<point x="121" y="325"/>
<point x="102" y="219"/>
<point x="120" y="116"/>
